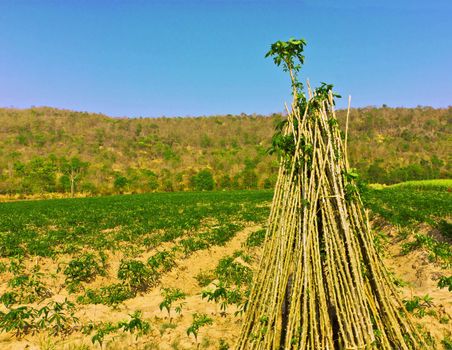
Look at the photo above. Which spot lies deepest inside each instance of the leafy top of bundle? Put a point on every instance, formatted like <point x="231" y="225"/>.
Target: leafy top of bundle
<point x="289" y="55"/>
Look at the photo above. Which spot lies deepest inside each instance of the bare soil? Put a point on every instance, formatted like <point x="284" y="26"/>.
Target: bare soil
<point x="420" y="274"/>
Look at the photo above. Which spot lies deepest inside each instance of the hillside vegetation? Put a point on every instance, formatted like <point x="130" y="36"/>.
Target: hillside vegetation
<point x="45" y="150"/>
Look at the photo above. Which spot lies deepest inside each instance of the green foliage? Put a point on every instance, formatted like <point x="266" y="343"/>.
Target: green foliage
<point x="444" y="282"/>
<point x="84" y="268"/>
<point x="27" y="288"/>
<point x="445" y="228"/>
<point x="289" y="55"/>
<point x="202" y="181"/>
<point x="111" y="295"/>
<point x="223" y="345"/>
<point x="9" y="298"/>
<point x="351" y="178"/>
<point x="419" y="306"/>
<point x="120" y="183"/>
<point x="57" y="318"/>
<point x="223" y="295"/>
<point x="205" y="278"/>
<point x="102" y="330"/>
<point x="216" y="236"/>
<point x="73" y="169"/>
<point x="231" y="272"/>
<point x="407" y="206"/>
<point x="286" y="53"/>
<point x="249" y="178"/>
<point x="135" y="325"/>
<point x="447" y="343"/>
<point x="220" y="235"/>
<point x="136" y="275"/>
<point x="170" y="296"/>
<point x="199" y="320"/>
<point x="19" y="320"/>
<point x="162" y="261"/>
<point x="256" y="238"/>
<point x="439" y="251"/>
<point x="70" y="226"/>
<point x="39" y="174"/>
<point x="440" y="185"/>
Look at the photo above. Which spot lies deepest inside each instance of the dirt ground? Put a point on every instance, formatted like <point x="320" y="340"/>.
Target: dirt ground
<point x="419" y="274"/>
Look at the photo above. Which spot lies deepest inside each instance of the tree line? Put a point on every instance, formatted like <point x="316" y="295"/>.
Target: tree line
<point x="46" y="150"/>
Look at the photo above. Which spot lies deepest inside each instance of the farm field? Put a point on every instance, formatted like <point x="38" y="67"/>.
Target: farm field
<point x="172" y="270"/>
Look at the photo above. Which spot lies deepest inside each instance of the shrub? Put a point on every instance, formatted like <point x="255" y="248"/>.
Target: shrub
<point x="136" y="275"/>
<point x="231" y="272"/>
<point x="199" y="320"/>
<point x="256" y="238"/>
<point x="202" y="181"/>
<point x="84" y="268"/>
<point x="162" y="261"/>
<point x="170" y="296"/>
<point x="111" y="295"/>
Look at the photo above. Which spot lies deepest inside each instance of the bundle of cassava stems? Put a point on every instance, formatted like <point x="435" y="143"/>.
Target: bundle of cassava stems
<point x="321" y="283"/>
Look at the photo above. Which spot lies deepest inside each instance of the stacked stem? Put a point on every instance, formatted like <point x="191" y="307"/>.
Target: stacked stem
<point x="321" y="283"/>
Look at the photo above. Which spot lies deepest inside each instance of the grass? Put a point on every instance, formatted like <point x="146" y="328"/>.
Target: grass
<point x="426" y="185"/>
<point x="412" y="203"/>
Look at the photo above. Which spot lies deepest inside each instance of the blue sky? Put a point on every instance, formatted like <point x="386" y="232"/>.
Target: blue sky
<point x="200" y="57"/>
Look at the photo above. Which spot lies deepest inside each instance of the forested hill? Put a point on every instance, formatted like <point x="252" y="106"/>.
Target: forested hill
<point x="47" y="150"/>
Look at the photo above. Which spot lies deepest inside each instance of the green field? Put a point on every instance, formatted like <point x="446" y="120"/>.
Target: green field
<point x="121" y="222"/>
<point x="413" y="202"/>
<point x="40" y="227"/>
<point x="129" y="254"/>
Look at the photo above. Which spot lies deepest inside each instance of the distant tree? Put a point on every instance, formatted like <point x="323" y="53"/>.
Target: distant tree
<point x="74" y="169"/>
<point x="167" y="185"/>
<point x="205" y="141"/>
<point x="151" y="178"/>
<point x="249" y="179"/>
<point x="12" y="158"/>
<point x="202" y="181"/>
<point x="64" y="183"/>
<point x="120" y="182"/>
<point x="38" y="175"/>
<point x="436" y="165"/>
<point x="225" y="182"/>
<point x="376" y="173"/>
<point x="235" y="183"/>
<point x="269" y="182"/>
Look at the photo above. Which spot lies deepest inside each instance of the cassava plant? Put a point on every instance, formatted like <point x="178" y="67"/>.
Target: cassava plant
<point x="199" y="320"/>
<point x="170" y="296"/>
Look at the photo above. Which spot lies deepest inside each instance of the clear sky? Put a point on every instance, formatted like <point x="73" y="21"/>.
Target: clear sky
<point x="203" y="57"/>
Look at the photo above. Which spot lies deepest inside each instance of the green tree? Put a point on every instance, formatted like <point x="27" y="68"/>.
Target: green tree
<point x="249" y="178"/>
<point x="74" y="169"/>
<point x="152" y="180"/>
<point x="376" y="173"/>
<point x="225" y="182"/>
<point x="202" y="181"/>
<point x="120" y="182"/>
<point x="38" y="175"/>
